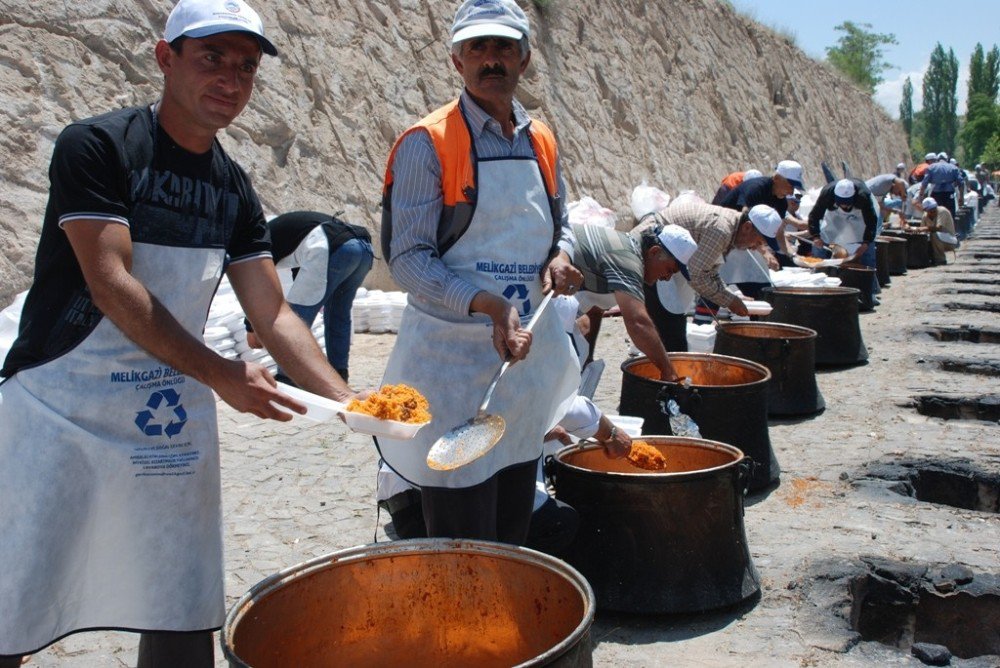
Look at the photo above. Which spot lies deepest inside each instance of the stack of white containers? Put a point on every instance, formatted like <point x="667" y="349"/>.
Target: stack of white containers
<point x="378" y="312"/>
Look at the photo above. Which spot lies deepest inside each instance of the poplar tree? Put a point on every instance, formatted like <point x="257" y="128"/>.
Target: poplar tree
<point x="906" y="108"/>
<point x="941" y="101"/>
<point x="982" y="116"/>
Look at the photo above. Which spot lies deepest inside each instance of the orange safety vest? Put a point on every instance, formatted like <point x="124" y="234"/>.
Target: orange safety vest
<point x="734" y="180"/>
<point x="452" y="139"/>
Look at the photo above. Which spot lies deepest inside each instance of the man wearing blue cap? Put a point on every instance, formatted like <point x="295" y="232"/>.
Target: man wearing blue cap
<point x="475" y="229"/>
<point x="110" y="488"/>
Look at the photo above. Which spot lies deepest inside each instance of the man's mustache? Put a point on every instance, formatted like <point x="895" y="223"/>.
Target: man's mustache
<point x="496" y="70"/>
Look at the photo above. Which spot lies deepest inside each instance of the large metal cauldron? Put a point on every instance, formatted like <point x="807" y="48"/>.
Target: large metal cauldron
<point x="431" y="602"/>
<point x="863" y="280"/>
<point x="896" y="254"/>
<point x="831" y="312"/>
<point x="788" y="352"/>
<point x="882" y="261"/>
<point x="727" y="399"/>
<point x="652" y="542"/>
<point x="918" y="248"/>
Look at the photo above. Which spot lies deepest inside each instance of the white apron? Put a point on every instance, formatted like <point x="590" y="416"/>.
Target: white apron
<point x="676" y="295"/>
<point x="451" y="359"/>
<point x="739" y="267"/>
<point x="109" y="493"/>
<point x="312" y="258"/>
<point x="844" y="228"/>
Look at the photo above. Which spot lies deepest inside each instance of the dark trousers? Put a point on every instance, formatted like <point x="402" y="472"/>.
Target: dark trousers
<point x="945" y="199"/>
<point x="162" y="650"/>
<point x="498" y="509"/>
<point x="672" y="327"/>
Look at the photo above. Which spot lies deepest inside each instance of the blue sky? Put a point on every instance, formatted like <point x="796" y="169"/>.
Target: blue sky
<point x="917" y="25"/>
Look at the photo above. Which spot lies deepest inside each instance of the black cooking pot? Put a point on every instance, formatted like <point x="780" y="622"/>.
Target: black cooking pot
<point x="831" y="312"/>
<point x="727" y="399"/>
<point x="788" y="352"/>
<point x="660" y="542"/>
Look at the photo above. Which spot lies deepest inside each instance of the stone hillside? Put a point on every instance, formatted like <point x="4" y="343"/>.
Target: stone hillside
<point x="675" y="92"/>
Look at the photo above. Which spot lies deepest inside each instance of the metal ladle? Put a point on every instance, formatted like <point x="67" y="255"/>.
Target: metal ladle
<point x="475" y="437"/>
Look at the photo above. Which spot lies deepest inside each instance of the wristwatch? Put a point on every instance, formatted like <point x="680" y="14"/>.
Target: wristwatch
<point x="611" y="435"/>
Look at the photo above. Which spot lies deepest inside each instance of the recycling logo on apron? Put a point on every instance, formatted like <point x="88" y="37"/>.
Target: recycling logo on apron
<point x="164" y="414"/>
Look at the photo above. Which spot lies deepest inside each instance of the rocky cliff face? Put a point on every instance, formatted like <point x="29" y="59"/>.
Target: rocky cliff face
<point x="674" y="92"/>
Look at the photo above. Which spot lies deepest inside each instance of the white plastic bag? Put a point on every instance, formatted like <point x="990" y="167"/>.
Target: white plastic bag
<point x="646" y="199"/>
<point x="587" y="211"/>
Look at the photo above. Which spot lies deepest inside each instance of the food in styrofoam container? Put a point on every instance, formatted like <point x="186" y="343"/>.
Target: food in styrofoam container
<point x="321" y="409"/>
<point x="756" y="307"/>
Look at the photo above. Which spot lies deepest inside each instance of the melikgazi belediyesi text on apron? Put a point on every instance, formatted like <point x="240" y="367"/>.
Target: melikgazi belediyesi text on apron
<point x="110" y="487"/>
<point x="450" y="358"/>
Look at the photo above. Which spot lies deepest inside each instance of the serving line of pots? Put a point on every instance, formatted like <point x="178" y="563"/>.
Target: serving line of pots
<point x="649" y="542"/>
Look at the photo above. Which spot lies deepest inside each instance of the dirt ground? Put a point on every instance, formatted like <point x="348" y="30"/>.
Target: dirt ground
<point x="300" y="490"/>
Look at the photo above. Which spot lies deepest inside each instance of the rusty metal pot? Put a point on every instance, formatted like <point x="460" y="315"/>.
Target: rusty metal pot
<point x="788" y="352"/>
<point x="660" y="542"/>
<point x="863" y="280"/>
<point x="896" y="254"/>
<point x="727" y="399"/>
<point x="831" y="312"/>
<point x="882" y="261"/>
<point x="430" y="602"/>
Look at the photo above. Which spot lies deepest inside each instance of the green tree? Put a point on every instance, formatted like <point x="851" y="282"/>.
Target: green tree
<point x="982" y="121"/>
<point x="906" y="108"/>
<point x="940" y="101"/>
<point x="991" y="154"/>
<point x="984" y="72"/>
<point x="858" y="54"/>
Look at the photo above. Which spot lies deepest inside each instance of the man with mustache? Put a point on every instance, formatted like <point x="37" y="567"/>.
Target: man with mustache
<point x="475" y="229"/>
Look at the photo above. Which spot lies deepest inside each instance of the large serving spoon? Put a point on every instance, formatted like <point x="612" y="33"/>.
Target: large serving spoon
<point x="476" y="436"/>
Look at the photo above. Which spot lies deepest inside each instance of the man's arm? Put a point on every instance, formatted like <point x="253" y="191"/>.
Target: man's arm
<point x="559" y="274"/>
<point x="104" y="251"/>
<point x="643" y="333"/>
<point x="282" y="332"/>
<point x="703" y="267"/>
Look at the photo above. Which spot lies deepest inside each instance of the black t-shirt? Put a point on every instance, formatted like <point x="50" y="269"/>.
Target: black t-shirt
<point x="110" y="168"/>
<point x="752" y="192"/>
<point x="289" y="229"/>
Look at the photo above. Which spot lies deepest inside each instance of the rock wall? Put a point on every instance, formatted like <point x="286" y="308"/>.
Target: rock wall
<point x="674" y="92"/>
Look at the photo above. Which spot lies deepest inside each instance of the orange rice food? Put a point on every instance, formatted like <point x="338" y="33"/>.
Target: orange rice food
<point x="810" y="260"/>
<point x="400" y="403"/>
<point x="645" y="456"/>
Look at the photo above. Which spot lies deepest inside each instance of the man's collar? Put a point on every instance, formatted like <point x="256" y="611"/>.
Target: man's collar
<point x="478" y="118"/>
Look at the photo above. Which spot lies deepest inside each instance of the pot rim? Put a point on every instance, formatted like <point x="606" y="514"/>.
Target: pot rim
<point x="667" y="476"/>
<point x="417" y="546"/>
<point x="804" y="332"/>
<point x="832" y="291"/>
<point x="729" y="359"/>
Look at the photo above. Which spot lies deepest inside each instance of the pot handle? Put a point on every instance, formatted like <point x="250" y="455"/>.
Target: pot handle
<point x="549" y="468"/>
<point x="686" y="397"/>
<point x="743" y="474"/>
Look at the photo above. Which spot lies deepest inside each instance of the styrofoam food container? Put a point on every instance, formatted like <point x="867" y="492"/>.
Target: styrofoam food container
<point x="759" y="307"/>
<point x="321" y="409"/>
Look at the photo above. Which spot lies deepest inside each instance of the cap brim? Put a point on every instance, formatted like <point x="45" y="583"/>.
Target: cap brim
<point x="486" y="30"/>
<point x="796" y="184"/>
<point x="683" y="268"/>
<point x="205" y="31"/>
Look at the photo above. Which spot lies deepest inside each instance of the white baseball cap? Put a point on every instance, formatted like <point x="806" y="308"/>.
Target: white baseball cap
<point x="942" y="156"/>
<point x="929" y="203"/>
<point x="765" y="219"/>
<point x="201" y="18"/>
<point x="792" y="171"/>
<point x="844" y="190"/>
<point x="901" y="165"/>
<point x="752" y="174"/>
<point x="678" y="241"/>
<point x="489" y="18"/>
<point x="930" y="157"/>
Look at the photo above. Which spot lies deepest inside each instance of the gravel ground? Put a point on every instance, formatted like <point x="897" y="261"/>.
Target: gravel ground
<point x="298" y="490"/>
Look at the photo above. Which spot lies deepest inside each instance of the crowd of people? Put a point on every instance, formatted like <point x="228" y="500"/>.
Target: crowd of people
<point x="112" y="513"/>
